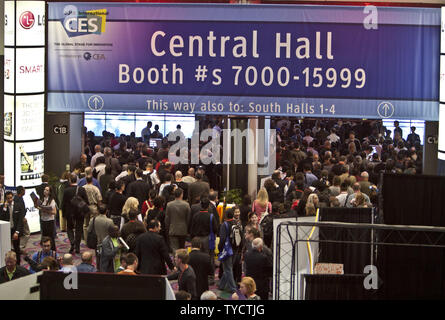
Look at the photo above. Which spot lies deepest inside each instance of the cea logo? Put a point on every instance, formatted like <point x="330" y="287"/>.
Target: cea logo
<point x="97" y="56"/>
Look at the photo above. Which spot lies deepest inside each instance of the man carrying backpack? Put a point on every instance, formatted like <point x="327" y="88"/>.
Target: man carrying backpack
<point x="226" y="252"/>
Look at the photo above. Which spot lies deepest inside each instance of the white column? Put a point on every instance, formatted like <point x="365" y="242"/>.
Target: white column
<point x="24" y="97"/>
<point x="252" y="149"/>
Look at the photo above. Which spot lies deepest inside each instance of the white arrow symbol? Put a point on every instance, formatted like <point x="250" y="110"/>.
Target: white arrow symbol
<point x="95" y="103"/>
<point x="386" y="108"/>
<point x="96" y="100"/>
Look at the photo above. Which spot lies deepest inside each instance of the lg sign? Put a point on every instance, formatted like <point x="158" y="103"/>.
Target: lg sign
<point x="27" y="20"/>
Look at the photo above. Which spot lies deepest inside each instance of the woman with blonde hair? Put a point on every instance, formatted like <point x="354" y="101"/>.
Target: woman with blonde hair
<point x="360" y="201"/>
<point x="247" y="288"/>
<point x="132" y="203"/>
<point x="261" y="204"/>
<point x="311" y="204"/>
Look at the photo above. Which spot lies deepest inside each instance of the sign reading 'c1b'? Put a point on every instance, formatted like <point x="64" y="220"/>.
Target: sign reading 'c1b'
<point x="60" y="129"/>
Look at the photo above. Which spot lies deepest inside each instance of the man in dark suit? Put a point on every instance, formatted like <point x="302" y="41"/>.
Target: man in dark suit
<point x="7" y="213"/>
<point x="196" y="189"/>
<point x="18" y="214"/>
<point x="130" y="177"/>
<point x="200" y="263"/>
<point x="73" y="217"/>
<point x="152" y="252"/>
<point x="197" y="207"/>
<point x="213" y="197"/>
<point x="139" y="188"/>
<point x="11" y="270"/>
<point x="259" y="267"/>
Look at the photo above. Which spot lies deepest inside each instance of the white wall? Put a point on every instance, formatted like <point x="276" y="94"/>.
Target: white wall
<point x="19" y="289"/>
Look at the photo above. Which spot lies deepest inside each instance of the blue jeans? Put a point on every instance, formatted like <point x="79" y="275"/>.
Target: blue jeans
<point x="227" y="278"/>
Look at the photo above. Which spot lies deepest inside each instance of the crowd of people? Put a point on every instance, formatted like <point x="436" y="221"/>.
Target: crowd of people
<point x="145" y="211"/>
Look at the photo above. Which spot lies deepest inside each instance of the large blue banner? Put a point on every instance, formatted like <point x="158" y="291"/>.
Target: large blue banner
<point x="253" y="60"/>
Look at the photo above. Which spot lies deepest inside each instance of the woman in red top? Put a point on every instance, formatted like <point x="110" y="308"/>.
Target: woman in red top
<point x="148" y="204"/>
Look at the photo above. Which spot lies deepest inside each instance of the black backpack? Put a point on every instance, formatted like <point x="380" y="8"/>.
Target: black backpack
<point x="79" y="204"/>
<point x="267" y="228"/>
<point x="92" y="237"/>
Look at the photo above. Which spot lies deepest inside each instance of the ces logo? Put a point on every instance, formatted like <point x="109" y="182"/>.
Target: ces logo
<point x="82" y="25"/>
<point x="77" y="23"/>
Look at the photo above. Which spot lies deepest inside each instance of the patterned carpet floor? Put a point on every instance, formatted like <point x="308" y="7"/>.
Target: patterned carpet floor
<point x="63" y="246"/>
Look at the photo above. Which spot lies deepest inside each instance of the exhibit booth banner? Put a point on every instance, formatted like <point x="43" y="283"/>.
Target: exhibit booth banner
<point x="283" y="60"/>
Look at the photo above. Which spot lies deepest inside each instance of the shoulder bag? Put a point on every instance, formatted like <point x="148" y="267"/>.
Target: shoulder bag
<point x="92" y="237"/>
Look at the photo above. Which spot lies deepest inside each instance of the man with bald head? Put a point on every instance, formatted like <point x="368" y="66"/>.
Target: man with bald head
<point x="190" y="177"/>
<point x="98" y="153"/>
<point x="67" y="262"/>
<point x="181" y="184"/>
<point x="365" y="184"/>
<point x="87" y="263"/>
